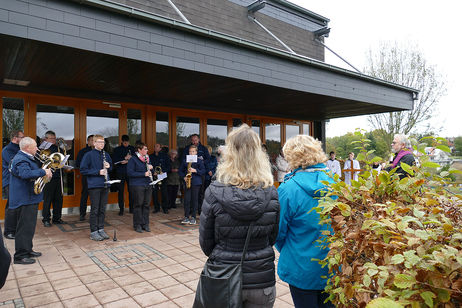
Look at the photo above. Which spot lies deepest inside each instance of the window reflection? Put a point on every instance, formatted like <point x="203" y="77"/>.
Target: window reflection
<point x="217" y="130"/>
<point x="59" y="119"/>
<point x="256" y="126"/>
<point x="185" y="127"/>
<point x="273" y="139"/>
<point x="292" y="131"/>
<point x="162" y="135"/>
<point x="106" y="123"/>
<point x="134" y="125"/>
<point x="13" y="117"/>
<point x="306" y="129"/>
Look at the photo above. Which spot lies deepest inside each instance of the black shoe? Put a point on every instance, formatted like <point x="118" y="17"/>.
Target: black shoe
<point x="82" y="218"/>
<point x="138" y="229"/>
<point x="156" y="211"/>
<point x="165" y="211"/>
<point x="46" y="224"/>
<point x="34" y="254"/>
<point x="121" y="213"/>
<point x="59" y="222"/>
<point x="146" y="228"/>
<point x="24" y="261"/>
<point x="9" y="236"/>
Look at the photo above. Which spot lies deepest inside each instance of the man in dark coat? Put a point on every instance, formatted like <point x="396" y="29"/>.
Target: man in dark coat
<point x="24" y="171"/>
<point x="84" y="194"/>
<point x="52" y="192"/>
<point x="120" y="157"/>
<point x="8" y="153"/>
<point x="160" y="159"/>
<point x="400" y="147"/>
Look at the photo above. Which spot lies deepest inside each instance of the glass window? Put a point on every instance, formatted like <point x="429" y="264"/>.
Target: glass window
<point x="217" y="130"/>
<point x="256" y="126"/>
<point x="185" y="127"/>
<point x="134" y="125"/>
<point x="13" y="117"/>
<point x="292" y="130"/>
<point x="59" y="119"/>
<point x="306" y="129"/>
<point x="273" y="139"/>
<point x="106" y="123"/>
<point x="162" y="135"/>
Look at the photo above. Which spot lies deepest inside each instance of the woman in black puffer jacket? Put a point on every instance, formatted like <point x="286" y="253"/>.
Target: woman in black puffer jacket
<point x="243" y="193"/>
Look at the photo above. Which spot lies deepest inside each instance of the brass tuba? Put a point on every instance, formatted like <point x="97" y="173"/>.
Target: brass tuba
<point x="49" y="161"/>
<point x="158" y="170"/>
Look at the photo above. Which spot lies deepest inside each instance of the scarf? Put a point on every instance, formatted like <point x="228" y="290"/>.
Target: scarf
<point x="398" y="158"/>
<point x="144" y="159"/>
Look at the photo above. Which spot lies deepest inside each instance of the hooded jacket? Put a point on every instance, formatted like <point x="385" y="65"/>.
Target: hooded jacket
<point x="299" y="228"/>
<point x="227" y="212"/>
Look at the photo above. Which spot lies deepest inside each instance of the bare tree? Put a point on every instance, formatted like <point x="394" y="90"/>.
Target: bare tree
<point x="405" y="65"/>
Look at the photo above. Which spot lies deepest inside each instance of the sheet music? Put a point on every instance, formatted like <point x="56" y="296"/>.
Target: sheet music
<point x="162" y="176"/>
<point x="45" y="145"/>
<point x="191" y="158"/>
<point x="112" y="182"/>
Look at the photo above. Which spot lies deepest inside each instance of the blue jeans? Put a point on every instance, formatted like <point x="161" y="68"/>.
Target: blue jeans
<point x="309" y="298"/>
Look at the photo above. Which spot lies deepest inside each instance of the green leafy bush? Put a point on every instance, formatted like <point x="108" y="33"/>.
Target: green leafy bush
<point x="395" y="243"/>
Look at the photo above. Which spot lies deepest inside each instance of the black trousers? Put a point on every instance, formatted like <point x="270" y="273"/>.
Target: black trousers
<point x="84" y="196"/>
<point x="191" y="199"/>
<point x="5" y="261"/>
<point x="164" y="195"/>
<point x="52" y="195"/>
<point x="10" y="215"/>
<point x="25" y="230"/>
<point x="201" y="195"/>
<point x="172" y="194"/>
<point x="124" y="178"/>
<point x="98" y="199"/>
<point x="141" y="200"/>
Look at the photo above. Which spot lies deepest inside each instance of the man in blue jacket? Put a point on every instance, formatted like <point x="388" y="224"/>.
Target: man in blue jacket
<point x="84" y="194"/>
<point x="160" y="159"/>
<point x="96" y="165"/>
<point x="121" y="156"/>
<point x="24" y="170"/>
<point x="8" y="153"/>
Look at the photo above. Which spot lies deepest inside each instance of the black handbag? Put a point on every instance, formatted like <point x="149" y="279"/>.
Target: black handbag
<point x="220" y="285"/>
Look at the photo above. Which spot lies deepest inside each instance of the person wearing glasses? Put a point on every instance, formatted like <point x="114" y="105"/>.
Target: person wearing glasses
<point x="8" y="153"/>
<point x="401" y="148"/>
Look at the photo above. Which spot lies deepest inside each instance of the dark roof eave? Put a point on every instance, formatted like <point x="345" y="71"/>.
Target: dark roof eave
<point x="151" y="17"/>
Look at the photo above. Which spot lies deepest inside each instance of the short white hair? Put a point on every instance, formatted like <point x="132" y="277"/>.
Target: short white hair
<point x="26" y="142"/>
<point x="403" y="139"/>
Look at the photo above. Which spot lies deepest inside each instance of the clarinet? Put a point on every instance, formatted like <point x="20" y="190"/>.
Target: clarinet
<point x="146" y="160"/>
<point x="106" y="176"/>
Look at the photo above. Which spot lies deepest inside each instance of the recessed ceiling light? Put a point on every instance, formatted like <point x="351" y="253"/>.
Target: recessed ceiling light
<point x="14" y="82"/>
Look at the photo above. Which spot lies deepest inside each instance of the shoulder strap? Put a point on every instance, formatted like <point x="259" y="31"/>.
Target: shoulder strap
<point x="247" y="240"/>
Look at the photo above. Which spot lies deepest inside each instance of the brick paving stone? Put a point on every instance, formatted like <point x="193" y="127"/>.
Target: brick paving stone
<point x="10" y="284"/>
<point x="183" y="258"/>
<point x="163" y="282"/>
<point x="139" y="288"/>
<point x="82" y="302"/>
<point x="128" y="279"/>
<point x="194" y="264"/>
<point x="28" y="272"/>
<point x="52" y="305"/>
<point x="123" y="303"/>
<point x="150" y="298"/>
<point x="153" y="273"/>
<point x="61" y="275"/>
<point x="164" y="262"/>
<point x="73" y="292"/>
<point x="89" y="269"/>
<point x="103" y="285"/>
<point x="186" y="276"/>
<point x="176" y="291"/>
<point x="120" y="272"/>
<point x="286" y="298"/>
<point x="111" y="295"/>
<point x="9" y="306"/>
<point x="28" y="281"/>
<point x="173" y="269"/>
<point x="142" y="267"/>
<point x="56" y="267"/>
<point x="89" y="278"/>
<point x="40" y="299"/>
<point x="6" y="295"/>
<point x="66" y="283"/>
<point x="165" y="305"/>
<point x="192" y="284"/>
<point x="185" y="301"/>
<point x="36" y="289"/>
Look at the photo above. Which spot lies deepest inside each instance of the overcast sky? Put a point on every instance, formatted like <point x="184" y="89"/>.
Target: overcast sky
<point x="360" y="25"/>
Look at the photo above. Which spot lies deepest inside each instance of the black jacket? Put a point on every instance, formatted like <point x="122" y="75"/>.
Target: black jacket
<point x="407" y="159"/>
<point x="226" y="214"/>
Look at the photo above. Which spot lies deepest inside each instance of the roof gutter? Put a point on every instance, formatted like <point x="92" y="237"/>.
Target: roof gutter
<point x="176" y="24"/>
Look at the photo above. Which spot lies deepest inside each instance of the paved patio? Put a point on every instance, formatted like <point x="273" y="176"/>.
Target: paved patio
<point x="156" y="269"/>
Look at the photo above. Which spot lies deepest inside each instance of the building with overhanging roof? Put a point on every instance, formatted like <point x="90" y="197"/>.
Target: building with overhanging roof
<point x="160" y="70"/>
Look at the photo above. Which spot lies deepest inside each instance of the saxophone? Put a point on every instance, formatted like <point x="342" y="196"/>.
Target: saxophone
<point x="188" y="176"/>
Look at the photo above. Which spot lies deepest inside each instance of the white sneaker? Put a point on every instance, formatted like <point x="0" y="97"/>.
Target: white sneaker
<point x="185" y="221"/>
<point x="192" y="221"/>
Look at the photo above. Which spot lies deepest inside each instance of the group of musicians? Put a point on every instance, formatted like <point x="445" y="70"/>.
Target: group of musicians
<point x="132" y="165"/>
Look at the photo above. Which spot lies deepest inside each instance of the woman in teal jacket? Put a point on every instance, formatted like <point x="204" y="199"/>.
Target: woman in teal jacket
<point x="299" y="227"/>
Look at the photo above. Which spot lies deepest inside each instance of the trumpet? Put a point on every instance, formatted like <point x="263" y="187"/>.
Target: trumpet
<point x="188" y="176"/>
<point x="51" y="161"/>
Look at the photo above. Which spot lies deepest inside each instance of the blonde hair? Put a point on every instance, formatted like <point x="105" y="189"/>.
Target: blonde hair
<point x="244" y="163"/>
<point x="303" y="151"/>
<point x="96" y="137"/>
